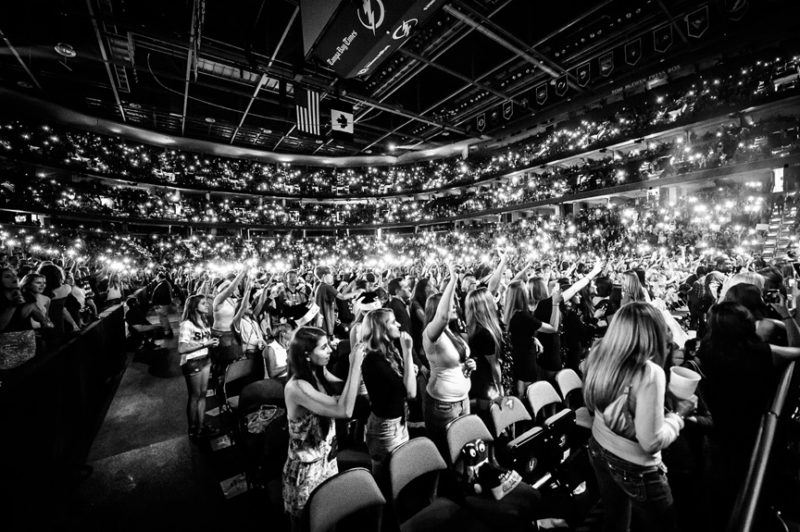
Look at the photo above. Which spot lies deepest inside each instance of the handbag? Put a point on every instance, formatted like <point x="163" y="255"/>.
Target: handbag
<point x="257" y="422"/>
<point x="16" y="348"/>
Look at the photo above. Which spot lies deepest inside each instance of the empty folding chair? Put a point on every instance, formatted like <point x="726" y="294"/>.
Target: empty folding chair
<point x="352" y="497"/>
<point x="543" y="400"/>
<point x="571" y="388"/>
<point x="518" y="445"/>
<point x="414" y="469"/>
<point x="518" y="508"/>
<point x="548" y="409"/>
<point x="238" y="374"/>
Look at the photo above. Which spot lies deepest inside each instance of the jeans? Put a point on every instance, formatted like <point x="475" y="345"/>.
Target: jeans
<point x="627" y="488"/>
<point x="437" y="415"/>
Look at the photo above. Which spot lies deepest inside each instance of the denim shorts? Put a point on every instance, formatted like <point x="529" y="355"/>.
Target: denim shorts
<point x="384" y="435"/>
<point x="195" y="365"/>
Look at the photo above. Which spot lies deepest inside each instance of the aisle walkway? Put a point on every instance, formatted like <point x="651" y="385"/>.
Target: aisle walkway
<point x="147" y="475"/>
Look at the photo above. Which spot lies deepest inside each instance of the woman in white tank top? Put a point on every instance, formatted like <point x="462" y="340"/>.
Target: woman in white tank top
<point x="447" y="393"/>
<point x="224" y="310"/>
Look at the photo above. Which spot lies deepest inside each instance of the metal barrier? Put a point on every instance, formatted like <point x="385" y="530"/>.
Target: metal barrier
<point x="746" y="505"/>
<point x="51" y="408"/>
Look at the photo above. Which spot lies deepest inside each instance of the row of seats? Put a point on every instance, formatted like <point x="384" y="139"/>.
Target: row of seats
<point x="537" y="446"/>
<point x="411" y="499"/>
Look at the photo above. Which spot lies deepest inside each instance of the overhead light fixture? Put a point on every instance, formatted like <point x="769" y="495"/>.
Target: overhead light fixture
<point x="210" y="120"/>
<point x="392" y="146"/>
<point x="65" y="50"/>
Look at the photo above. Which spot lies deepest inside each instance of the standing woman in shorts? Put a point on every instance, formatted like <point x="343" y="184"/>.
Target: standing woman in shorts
<point x="224" y="309"/>
<point x="391" y="379"/>
<point x="194" y="339"/>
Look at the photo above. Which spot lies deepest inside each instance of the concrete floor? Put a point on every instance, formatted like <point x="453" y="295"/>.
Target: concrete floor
<point x="147" y="474"/>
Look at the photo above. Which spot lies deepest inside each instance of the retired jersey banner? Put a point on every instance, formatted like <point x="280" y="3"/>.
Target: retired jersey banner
<point x="481" y="122"/>
<point x="662" y="38"/>
<point x="541" y="93"/>
<point x="561" y="85"/>
<point x="607" y="64"/>
<point x="633" y="51"/>
<point x="697" y="22"/>
<point x="508" y="109"/>
<point x="583" y="73"/>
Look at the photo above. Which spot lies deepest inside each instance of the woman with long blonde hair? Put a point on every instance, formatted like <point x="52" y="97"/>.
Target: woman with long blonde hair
<point x="522" y="328"/>
<point x="632" y="288"/>
<point x="625" y="387"/>
<point x="485" y="338"/>
<point x="390" y="378"/>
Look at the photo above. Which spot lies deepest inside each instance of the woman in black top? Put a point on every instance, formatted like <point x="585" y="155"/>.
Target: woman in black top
<point x="740" y="380"/>
<point x="545" y="311"/>
<point x="485" y="343"/>
<point x="390" y="378"/>
<point x="522" y="327"/>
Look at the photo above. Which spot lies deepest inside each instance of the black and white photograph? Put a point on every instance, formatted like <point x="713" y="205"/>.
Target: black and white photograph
<point x="400" y="265"/>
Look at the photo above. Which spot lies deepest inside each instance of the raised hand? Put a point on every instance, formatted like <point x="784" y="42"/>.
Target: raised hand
<point x="451" y="268"/>
<point x="406" y="342"/>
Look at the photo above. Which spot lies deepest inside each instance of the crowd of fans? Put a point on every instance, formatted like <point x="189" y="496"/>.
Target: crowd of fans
<point x="697" y="225"/>
<point x="496" y="307"/>
<point x="727" y="145"/>
<point x="711" y="94"/>
<point x="430" y="326"/>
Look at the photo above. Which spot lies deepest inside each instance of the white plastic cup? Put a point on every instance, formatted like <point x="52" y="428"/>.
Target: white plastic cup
<point x="683" y="382"/>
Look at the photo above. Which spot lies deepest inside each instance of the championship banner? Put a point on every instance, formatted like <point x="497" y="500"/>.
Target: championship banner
<point x="697" y="22"/>
<point x="508" y="109"/>
<point x="607" y="64"/>
<point x="662" y="38"/>
<point x="633" y="51"/>
<point x="541" y="93"/>
<point x="561" y="85"/>
<point x="583" y="73"/>
<point x="481" y="122"/>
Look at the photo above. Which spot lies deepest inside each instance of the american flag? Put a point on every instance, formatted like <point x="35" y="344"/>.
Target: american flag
<point x="307" y="107"/>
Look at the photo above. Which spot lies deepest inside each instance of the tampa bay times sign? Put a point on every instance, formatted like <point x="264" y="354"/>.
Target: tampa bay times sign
<point x="365" y="32"/>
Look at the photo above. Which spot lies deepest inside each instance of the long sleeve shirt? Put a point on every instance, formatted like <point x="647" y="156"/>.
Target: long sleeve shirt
<point x="652" y="430"/>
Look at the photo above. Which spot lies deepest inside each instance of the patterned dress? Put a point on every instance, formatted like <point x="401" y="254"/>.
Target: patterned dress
<point x="308" y="464"/>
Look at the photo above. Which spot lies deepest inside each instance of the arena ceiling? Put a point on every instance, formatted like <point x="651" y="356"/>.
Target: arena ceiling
<point x="226" y="71"/>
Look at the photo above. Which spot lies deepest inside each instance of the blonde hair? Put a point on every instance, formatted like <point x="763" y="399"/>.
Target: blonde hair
<point x="516" y="300"/>
<point x="481" y="310"/>
<point x="741" y="278"/>
<point x="637" y="333"/>
<point x="632" y="287"/>
<point x="374" y="334"/>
